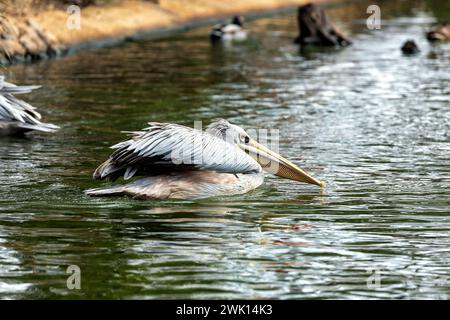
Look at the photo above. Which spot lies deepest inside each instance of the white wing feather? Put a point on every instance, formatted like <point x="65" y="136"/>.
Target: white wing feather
<point x="18" y="112"/>
<point x="171" y="146"/>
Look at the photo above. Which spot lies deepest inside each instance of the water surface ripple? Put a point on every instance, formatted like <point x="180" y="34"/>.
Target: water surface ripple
<point x="370" y="122"/>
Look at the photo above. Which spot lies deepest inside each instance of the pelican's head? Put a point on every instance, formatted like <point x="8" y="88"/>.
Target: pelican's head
<point x="269" y="160"/>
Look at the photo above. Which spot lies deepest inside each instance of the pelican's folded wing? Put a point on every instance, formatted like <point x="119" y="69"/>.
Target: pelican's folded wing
<point x="13" y="109"/>
<point x="16" y="115"/>
<point x="166" y="147"/>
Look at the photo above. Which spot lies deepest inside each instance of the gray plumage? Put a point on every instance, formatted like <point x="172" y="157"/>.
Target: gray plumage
<point x="17" y="116"/>
<point x="164" y="147"/>
<point x="175" y="161"/>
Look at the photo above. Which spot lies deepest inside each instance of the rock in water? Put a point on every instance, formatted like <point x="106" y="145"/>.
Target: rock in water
<point x="410" y="47"/>
<point x="316" y="29"/>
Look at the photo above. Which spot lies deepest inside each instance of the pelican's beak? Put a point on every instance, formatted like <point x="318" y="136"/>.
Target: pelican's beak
<point x="274" y="163"/>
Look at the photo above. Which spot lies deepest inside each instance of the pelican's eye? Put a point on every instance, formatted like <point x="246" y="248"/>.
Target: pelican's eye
<point x="243" y="137"/>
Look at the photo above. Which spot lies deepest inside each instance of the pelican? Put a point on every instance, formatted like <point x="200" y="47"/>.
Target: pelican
<point x="227" y="32"/>
<point x="16" y="116"/>
<point x="178" y="162"/>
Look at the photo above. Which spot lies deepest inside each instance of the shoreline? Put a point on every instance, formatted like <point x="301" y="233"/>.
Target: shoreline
<point x="44" y="34"/>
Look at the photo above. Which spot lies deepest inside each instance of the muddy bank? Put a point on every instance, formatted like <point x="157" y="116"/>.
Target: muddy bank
<point x="50" y="30"/>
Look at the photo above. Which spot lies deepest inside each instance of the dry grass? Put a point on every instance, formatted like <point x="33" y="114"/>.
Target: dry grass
<point x="18" y="7"/>
<point x="4" y="24"/>
<point x="22" y="7"/>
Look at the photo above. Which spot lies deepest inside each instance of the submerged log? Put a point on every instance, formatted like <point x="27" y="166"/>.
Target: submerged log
<point x="440" y="32"/>
<point x="316" y="29"/>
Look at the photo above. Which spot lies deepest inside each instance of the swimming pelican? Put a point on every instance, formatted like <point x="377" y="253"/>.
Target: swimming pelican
<point x="16" y="116"/>
<point x="227" y="32"/>
<point x="179" y="162"/>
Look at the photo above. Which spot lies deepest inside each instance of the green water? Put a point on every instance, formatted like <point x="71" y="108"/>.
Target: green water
<point x="371" y="123"/>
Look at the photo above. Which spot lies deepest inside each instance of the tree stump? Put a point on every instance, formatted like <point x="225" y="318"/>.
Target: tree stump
<point x="316" y="29"/>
